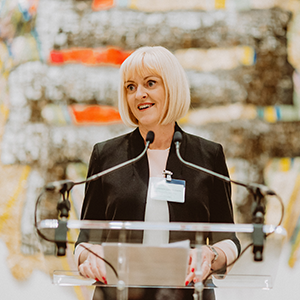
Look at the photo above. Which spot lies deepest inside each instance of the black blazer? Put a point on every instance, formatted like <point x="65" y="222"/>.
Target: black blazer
<point x="121" y="195"/>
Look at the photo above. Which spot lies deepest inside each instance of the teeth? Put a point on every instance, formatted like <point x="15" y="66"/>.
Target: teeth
<point x="145" y="106"/>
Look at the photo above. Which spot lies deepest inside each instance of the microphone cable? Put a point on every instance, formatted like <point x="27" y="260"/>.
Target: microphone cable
<point x="255" y="189"/>
<point x="41" y="235"/>
<point x="221" y="270"/>
<point x="64" y="187"/>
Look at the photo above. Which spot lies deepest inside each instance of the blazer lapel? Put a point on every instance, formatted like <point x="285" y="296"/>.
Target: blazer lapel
<point x="173" y="164"/>
<point x="136" y="146"/>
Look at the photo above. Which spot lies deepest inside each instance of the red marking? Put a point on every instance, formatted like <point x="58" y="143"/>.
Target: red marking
<point x="102" y="4"/>
<point x="94" y="114"/>
<point x="56" y="57"/>
<point x="107" y="56"/>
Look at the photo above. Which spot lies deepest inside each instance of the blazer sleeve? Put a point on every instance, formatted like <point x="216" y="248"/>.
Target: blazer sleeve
<point x="93" y="207"/>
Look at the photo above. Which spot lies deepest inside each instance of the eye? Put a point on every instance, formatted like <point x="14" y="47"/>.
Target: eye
<point x="130" y="88"/>
<point x="151" y="83"/>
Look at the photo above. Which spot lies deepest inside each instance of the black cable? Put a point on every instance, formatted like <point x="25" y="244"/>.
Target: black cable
<point x="41" y="235"/>
<point x="221" y="270"/>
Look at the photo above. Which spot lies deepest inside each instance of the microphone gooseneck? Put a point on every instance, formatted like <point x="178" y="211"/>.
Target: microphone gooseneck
<point x="149" y="140"/>
<point x="253" y="187"/>
<point x="177" y="141"/>
<point x="66" y="185"/>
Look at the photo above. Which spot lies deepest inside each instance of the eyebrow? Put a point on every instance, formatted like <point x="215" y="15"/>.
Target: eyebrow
<point x="128" y="81"/>
<point x="145" y="78"/>
<point x="156" y="76"/>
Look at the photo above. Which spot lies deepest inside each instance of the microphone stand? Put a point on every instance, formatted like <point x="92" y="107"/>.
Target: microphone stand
<point x="63" y="208"/>
<point x="258" y="218"/>
<point x="65" y="186"/>
<point x="259" y="192"/>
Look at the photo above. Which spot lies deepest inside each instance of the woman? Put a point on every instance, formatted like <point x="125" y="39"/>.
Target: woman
<point x="153" y="95"/>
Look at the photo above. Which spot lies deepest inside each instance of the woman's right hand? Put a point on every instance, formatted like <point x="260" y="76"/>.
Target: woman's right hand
<point x="91" y="266"/>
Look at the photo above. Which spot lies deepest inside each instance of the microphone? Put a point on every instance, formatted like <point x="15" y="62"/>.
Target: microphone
<point x="150" y="137"/>
<point x="258" y="190"/>
<point x="66" y="185"/>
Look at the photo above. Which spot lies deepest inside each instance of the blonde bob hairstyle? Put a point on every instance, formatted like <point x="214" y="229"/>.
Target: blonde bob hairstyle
<point x="160" y="62"/>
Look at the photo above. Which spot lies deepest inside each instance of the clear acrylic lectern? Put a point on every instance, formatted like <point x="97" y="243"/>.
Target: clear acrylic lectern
<point x="159" y="266"/>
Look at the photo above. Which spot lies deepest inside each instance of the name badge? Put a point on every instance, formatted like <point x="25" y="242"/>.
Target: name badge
<point x="167" y="190"/>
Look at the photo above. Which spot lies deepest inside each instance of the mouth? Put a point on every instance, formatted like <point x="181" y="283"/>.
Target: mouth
<point x="145" y="106"/>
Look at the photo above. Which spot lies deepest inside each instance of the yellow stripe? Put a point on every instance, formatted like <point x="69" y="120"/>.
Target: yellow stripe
<point x="79" y="293"/>
<point x="220" y="4"/>
<point x="270" y="114"/>
<point x="285" y="164"/>
<point x="11" y="202"/>
<point x="75" y="232"/>
<point x="290" y="207"/>
<point x="4" y="110"/>
<point x="184" y="119"/>
<point x="248" y="56"/>
<point x="133" y="4"/>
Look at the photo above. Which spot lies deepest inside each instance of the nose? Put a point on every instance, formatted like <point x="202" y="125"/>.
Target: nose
<point x="141" y="92"/>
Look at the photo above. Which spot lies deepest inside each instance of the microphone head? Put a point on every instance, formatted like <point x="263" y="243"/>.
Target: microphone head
<point x="177" y="137"/>
<point x="150" y="137"/>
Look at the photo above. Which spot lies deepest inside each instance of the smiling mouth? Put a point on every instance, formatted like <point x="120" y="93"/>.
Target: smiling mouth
<point x="145" y="106"/>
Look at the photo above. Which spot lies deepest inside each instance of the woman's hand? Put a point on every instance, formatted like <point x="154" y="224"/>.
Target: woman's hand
<point x="90" y="265"/>
<point x="206" y="265"/>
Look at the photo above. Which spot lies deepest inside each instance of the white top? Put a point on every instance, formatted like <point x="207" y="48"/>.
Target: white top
<point x="156" y="210"/>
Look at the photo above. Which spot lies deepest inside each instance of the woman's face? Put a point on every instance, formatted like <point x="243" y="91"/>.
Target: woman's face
<point x="146" y="97"/>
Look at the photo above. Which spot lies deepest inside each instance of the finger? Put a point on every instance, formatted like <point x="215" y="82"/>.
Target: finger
<point x="89" y="269"/>
<point x="102" y="264"/>
<point x="85" y="269"/>
<point x="206" y="267"/>
<point x="189" y="278"/>
<point x="192" y="261"/>
<point x="98" y="269"/>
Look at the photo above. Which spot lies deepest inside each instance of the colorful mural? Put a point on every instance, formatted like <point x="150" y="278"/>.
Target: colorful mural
<point x="59" y="65"/>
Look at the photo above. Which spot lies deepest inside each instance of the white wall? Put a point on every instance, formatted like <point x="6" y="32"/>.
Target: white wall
<point x="286" y="285"/>
<point x="38" y="286"/>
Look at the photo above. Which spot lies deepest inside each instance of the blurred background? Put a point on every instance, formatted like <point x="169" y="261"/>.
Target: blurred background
<point x="59" y="62"/>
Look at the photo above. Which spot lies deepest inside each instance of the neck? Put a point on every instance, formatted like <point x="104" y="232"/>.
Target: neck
<point x="163" y="135"/>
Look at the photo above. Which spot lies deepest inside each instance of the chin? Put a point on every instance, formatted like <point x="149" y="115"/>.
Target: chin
<point x="148" y="122"/>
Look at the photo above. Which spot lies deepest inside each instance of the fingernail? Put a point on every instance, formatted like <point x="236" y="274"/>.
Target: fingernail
<point x="193" y="270"/>
<point x="186" y="283"/>
<point x="97" y="279"/>
<point x="104" y="279"/>
<point x="87" y="276"/>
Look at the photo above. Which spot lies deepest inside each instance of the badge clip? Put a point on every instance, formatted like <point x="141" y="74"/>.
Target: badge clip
<point x="168" y="175"/>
